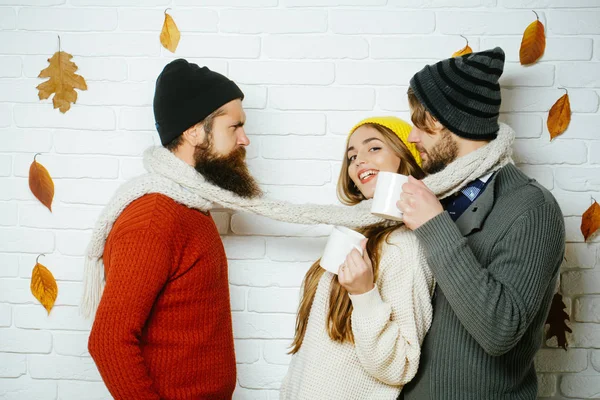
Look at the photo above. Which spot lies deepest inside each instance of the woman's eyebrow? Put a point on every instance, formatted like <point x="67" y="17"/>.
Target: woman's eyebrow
<point x="364" y="142"/>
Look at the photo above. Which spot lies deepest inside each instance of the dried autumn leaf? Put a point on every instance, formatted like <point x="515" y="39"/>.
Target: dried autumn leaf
<point x="559" y="117"/>
<point x="590" y="222"/>
<point x="556" y="320"/>
<point x="169" y="36"/>
<point x="463" y="51"/>
<point x="43" y="286"/>
<point x="63" y="81"/>
<point x="533" y="43"/>
<point x="466" y="50"/>
<point x="41" y="184"/>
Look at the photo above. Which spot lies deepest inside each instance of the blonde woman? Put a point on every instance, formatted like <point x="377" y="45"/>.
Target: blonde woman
<point x="358" y="334"/>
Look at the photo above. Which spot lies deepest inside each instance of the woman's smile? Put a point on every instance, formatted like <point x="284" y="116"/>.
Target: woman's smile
<point x="367" y="175"/>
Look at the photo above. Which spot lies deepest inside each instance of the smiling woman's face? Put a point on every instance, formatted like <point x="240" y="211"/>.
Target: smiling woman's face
<point x="368" y="154"/>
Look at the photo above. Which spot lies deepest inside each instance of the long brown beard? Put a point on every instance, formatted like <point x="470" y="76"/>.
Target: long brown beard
<point x="229" y="172"/>
<point x="442" y="154"/>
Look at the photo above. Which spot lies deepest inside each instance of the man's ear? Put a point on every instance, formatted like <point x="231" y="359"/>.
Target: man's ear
<point x="194" y="135"/>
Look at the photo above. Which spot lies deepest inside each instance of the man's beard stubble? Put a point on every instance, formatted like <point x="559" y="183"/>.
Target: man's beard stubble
<point x="229" y="172"/>
<point x="443" y="153"/>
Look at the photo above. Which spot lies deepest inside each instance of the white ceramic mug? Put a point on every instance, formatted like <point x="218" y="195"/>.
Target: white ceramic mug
<point x="340" y="243"/>
<point x="387" y="193"/>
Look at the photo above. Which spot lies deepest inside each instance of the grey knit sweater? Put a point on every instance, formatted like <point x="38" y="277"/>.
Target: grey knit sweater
<point x="496" y="270"/>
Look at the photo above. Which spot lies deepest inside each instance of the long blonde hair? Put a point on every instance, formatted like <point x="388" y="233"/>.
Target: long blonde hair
<point x="340" y="307"/>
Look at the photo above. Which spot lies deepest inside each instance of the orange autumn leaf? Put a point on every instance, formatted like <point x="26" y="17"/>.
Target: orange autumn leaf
<point x="43" y="286"/>
<point x="533" y="43"/>
<point x="590" y="222"/>
<point x="169" y="36"/>
<point x="556" y="319"/>
<point x="559" y="117"/>
<point x="63" y="81"/>
<point x="41" y="184"/>
<point x="466" y="50"/>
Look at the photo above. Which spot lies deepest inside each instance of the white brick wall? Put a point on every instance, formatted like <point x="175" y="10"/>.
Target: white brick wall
<point x="310" y="70"/>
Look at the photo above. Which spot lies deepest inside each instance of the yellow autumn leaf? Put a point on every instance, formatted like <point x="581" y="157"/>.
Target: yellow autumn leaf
<point x="63" y="81"/>
<point x="465" y="50"/>
<point x="533" y="43"/>
<point x="41" y="184"/>
<point x="43" y="286"/>
<point x="169" y="36"/>
<point x="559" y="117"/>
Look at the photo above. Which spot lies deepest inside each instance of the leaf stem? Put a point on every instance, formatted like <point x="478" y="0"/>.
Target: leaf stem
<point x="38" y="257"/>
<point x="167" y="10"/>
<point x="465" y="39"/>
<point x="536" y="15"/>
<point x="565" y="89"/>
<point x="36" y="154"/>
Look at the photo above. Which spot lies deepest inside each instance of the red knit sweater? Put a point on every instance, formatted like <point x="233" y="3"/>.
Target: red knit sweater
<point x="163" y="327"/>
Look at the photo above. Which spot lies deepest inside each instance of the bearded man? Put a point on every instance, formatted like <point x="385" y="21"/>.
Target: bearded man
<point x="162" y="329"/>
<point x="494" y="245"/>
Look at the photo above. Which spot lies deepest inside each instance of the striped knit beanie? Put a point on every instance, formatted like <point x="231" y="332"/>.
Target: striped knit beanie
<point x="398" y="126"/>
<point x="463" y="93"/>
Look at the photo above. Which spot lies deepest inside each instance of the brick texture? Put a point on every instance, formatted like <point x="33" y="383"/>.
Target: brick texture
<point x="310" y="69"/>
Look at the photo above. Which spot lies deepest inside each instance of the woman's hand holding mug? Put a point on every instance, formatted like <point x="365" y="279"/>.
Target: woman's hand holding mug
<point x="356" y="273"/>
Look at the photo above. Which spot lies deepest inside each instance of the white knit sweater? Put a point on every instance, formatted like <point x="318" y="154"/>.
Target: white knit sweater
<point x="389" y="324"/>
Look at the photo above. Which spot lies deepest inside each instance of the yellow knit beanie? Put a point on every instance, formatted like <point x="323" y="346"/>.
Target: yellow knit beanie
<point x="398" y="126"/>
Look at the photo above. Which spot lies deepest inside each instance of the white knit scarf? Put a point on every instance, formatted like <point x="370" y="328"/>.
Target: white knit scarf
<point x="172" y="177"/>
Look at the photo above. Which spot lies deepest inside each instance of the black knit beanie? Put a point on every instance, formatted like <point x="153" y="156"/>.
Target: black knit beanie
<point x="185" y="94"/>
<point x="463" y="93"/>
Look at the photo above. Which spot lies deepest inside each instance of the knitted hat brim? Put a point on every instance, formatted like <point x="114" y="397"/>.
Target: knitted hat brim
<point x="424" y="85"/>
<point x="401" y="133"/>
<point x="192" y="114"/>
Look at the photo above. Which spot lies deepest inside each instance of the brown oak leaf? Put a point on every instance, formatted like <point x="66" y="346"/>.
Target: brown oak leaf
<point x="556" y="319"/>
<point x="63" y="81"/>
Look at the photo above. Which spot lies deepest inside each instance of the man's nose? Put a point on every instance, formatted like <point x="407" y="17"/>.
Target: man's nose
<point x="243" y="139"/>
<point x="413" y="136"/>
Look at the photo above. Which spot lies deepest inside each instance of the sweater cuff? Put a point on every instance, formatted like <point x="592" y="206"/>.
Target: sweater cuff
<point x="366" y="302"/>
<point x="439" y="234"/>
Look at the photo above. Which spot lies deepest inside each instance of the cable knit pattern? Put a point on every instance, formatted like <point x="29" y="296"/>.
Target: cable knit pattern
<point x="389" y="324"/>
<point x="163" y="329"/>
<point x="172" y="177"/>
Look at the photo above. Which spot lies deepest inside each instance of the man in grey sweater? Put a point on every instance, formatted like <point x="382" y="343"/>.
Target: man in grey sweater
<point x="494" y="248"/>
